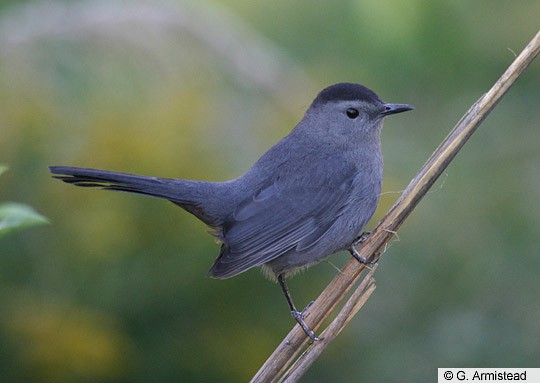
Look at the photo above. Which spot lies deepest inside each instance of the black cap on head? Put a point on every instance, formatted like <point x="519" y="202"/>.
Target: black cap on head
<point x="346" y="91"/>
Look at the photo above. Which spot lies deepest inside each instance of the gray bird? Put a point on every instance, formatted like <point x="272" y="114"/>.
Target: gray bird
<point x="306" y="198"/>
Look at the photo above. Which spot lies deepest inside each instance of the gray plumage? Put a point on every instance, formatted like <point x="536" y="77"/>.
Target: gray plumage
<point x="307" y="197"/>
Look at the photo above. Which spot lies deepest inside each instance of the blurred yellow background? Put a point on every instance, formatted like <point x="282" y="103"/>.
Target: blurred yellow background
<point x="115" y="288"/>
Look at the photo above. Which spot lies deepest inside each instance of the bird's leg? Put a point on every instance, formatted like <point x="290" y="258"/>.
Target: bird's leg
<point x="360" y="239"/>
<point x="297" y="315"/>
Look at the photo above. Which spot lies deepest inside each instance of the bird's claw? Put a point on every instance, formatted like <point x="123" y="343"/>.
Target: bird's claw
<point x="299" y="317"/>
<point x="361" y="238"/>
<point x="356" y="254"/>
<point x="305" y="310"/>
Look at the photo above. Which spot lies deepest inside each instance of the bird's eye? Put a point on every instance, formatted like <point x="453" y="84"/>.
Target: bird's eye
<point x="352" y="113"/>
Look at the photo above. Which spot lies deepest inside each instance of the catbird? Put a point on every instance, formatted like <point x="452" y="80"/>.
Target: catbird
<point x="307" y="197"/>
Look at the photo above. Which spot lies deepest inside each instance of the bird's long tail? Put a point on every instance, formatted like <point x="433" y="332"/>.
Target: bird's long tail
<point x="190" y="195"/>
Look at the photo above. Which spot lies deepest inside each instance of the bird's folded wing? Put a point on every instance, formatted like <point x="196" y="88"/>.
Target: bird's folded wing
<point x="280" y="217"/>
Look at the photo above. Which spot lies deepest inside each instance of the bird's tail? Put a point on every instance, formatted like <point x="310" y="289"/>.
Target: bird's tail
<point x="193" y="196"/>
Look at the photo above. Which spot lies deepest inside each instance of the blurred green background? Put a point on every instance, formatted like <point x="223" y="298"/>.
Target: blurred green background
<point x="115" y="288"/>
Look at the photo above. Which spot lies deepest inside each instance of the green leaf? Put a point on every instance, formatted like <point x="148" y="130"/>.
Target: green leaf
<point x="17" y="216"/>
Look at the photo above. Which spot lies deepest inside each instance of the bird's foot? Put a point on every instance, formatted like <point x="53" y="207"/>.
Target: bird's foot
<point x="299" y="317"/>
<point x="356" y="254"/>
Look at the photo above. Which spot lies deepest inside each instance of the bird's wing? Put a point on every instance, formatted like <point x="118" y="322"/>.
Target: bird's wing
<point x="281" y="216"/>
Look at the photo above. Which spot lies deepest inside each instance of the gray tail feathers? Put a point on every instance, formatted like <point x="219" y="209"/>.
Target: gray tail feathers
<point x="184" y="193"/>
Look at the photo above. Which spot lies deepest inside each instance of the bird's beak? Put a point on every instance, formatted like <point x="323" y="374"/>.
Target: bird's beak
<point x="395" y="108"/>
